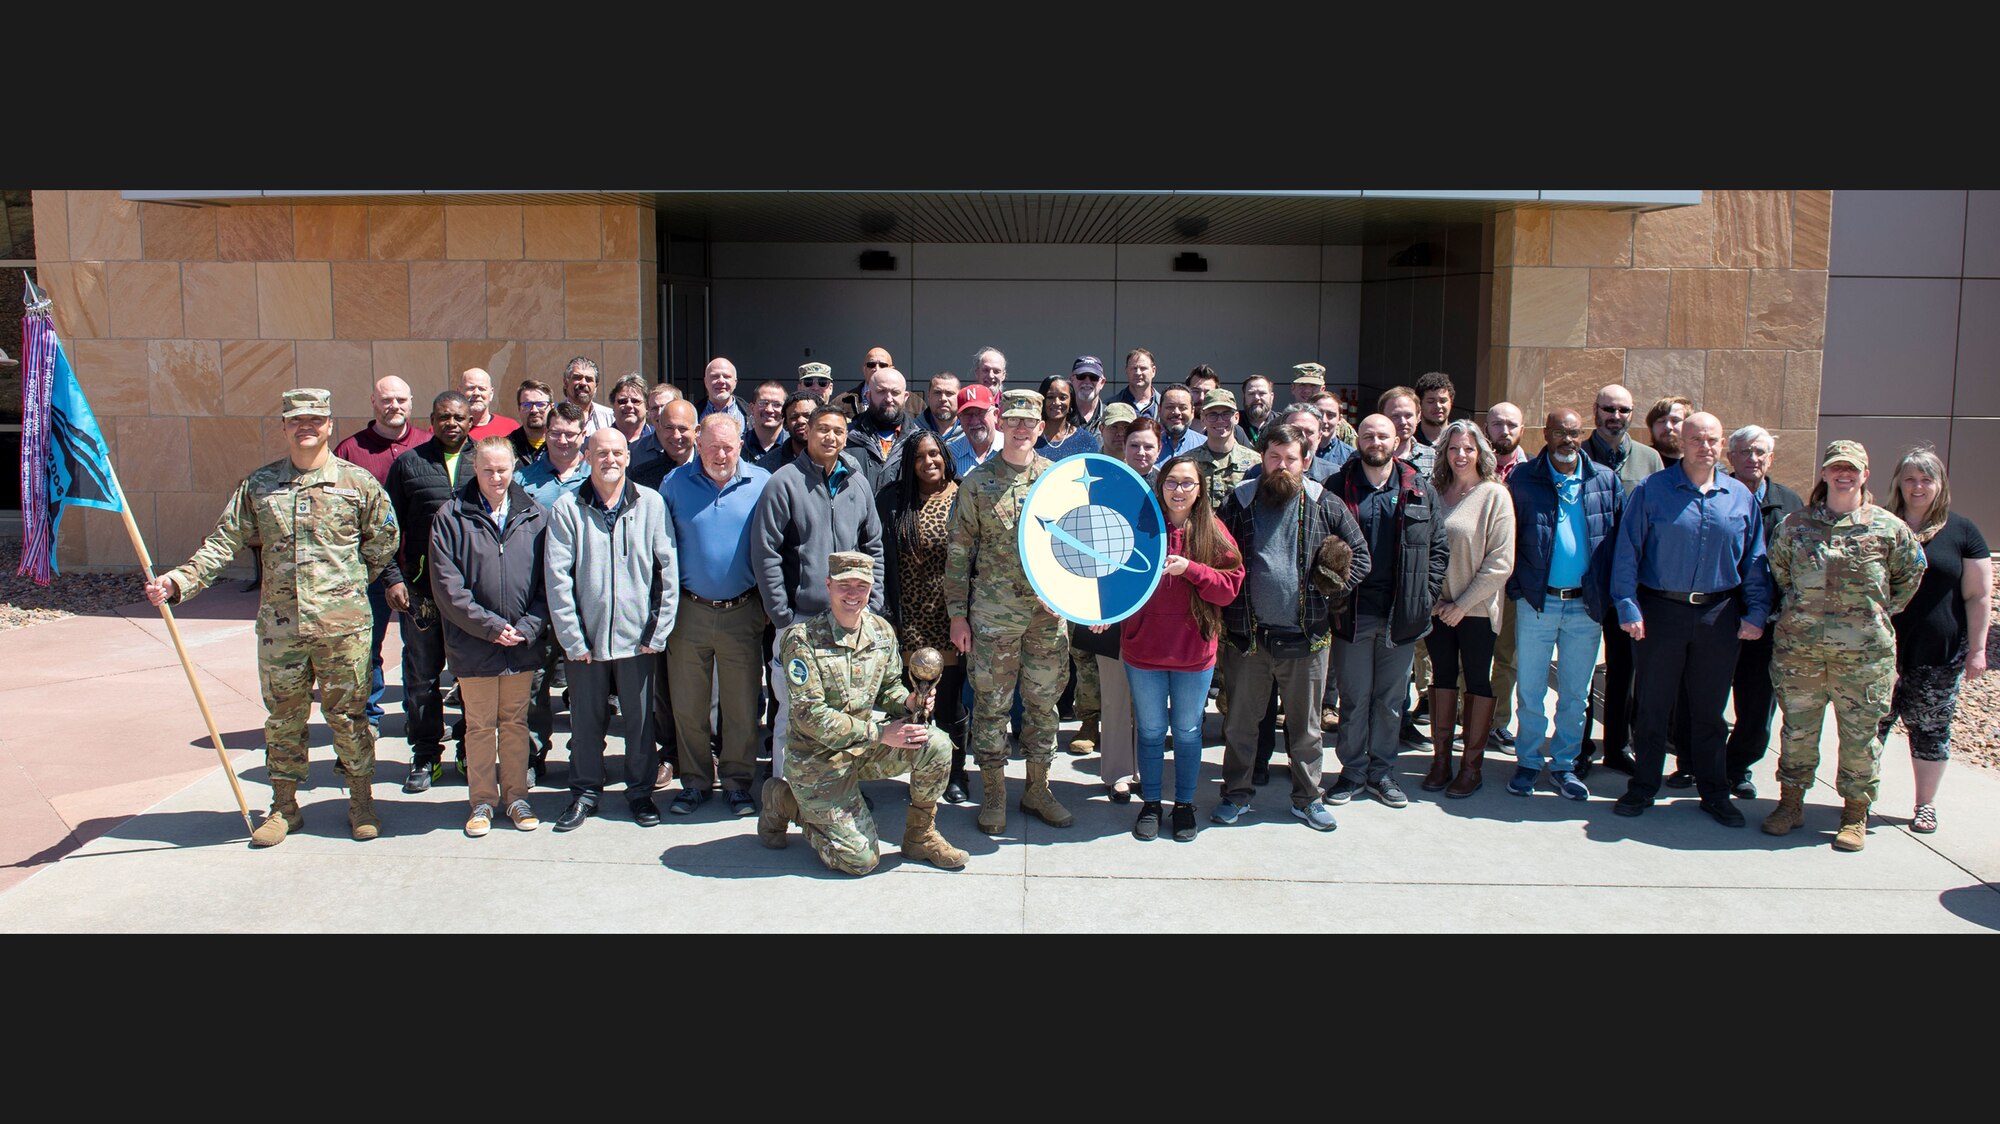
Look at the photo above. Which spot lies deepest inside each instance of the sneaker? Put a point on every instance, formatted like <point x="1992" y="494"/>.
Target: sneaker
<point x="1524" y="780"/>
<point x="523" y="816"/>
<point x="1387" y="791"/>
<point x="1226" y="812"/>
<point x="1316" y="816"/>
<point x="740" y="804"/>
<point x="1147" y="827"/>
<point x="1501" y="741"/>
<point x="1343" y="790"/>
<point x="481" y="821"/>
<point x="1569" y="785"/>
<point x="1412" y="736"/>
<point x="687" y="801"/>
<point x="1184" y="828"/>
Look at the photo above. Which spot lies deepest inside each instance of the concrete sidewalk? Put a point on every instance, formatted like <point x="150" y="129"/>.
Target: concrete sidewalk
<point x="99" y="725"/>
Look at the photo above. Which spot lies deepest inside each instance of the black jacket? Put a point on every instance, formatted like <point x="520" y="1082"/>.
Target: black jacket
<point x="485" y="578"/>
<point x="1324" y="515"/>
<point x="1422" y="552"/>
<point x="881" y="469"/>
<point x="418" y="485"/>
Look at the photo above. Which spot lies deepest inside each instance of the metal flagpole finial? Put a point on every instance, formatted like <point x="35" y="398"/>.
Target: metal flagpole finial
<point x="36" y="300"/>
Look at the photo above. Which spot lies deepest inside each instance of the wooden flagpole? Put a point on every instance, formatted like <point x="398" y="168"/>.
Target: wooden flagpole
<point x="173" y="630"/>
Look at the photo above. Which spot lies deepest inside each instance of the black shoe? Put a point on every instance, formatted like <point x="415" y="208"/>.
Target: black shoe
<point x="1582" y="768"/>
<point x="1743" y="790"/>
<point x="645" y="813"/>
<point x="1680" y="778"/>
<point x="538" y="768"/>
<point x="1630" y="805"/>
<point x="1342" y="791"/>
<point x="1414" y="736"/>
<point x="422" y="773"/>
<point x="688" y="800"/>
<point x="1147" y="826"/>
<point x="954" y="793"/>
<point x="1183" y="822"/>
<point x="1618" y="761"/>
<point x="1260" y="775"/>
<point x="1724" y="812"/>
<point x="580" y="809"/>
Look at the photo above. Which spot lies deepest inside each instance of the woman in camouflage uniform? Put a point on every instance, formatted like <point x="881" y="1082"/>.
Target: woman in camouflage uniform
<point x="1843" y="567"/>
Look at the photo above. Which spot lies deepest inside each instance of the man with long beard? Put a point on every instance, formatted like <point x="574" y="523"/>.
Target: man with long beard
<point x="1279" y="625"/>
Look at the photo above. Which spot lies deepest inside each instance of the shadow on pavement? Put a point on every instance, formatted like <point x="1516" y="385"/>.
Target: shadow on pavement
<point x="1978" y="903"/>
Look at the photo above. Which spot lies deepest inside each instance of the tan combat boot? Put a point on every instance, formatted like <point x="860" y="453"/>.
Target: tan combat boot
<point x="1085" y="741"/>
<point x="1039" y="801"/>
<point x="284" y="817"/>
<point x="992" y="799"/>
<point x="922" y="841"/>
<point x="362" y="822"/>
<point x="1790" y="812"/>
<point x="1853" y="831"/>
<point x="781" y="807"/>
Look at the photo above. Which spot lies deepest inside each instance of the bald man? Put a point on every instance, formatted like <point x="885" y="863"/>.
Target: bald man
<point x="1689" y="582"/>
<point x="1503" y="430"/>
<point x="720" y="379"/>
<point x="477" y="386"/>
<point x="375" y="447"/>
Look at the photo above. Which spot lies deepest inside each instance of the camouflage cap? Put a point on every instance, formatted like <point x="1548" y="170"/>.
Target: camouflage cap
<point x="1021" y="404"/>
<point x="1845" y="452"/>
<point x="1309" y="372"/>
<point x="815" y="371"/>
<point x="308" y="401"/>
<point x="1119" y="413"/>
<point x="1218" y="399"/>
<point x="844" y="564"/>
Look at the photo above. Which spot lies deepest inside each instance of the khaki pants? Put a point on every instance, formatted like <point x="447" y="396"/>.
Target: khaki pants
<point x="496" y="730"/>
<point x="1115" y="740"/>
<point x="717" y="649"/>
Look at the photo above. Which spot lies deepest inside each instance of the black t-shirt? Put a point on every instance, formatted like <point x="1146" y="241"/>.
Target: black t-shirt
<point x="1932" y="628"/>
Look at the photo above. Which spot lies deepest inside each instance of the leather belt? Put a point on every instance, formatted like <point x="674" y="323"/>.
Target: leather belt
<point x="1690" y="597"/>
<point x="729" y="604"/>
<point x="1569" y="594"/>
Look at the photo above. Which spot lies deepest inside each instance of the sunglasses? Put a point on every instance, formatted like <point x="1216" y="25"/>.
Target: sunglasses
<point x="815" y="382"/>
<point x="874" y="363"/>
<point x="1086" y="376"/>
<point x="1616" y="409"/>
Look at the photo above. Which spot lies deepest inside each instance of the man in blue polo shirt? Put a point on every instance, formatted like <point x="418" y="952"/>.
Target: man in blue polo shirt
<point x="1690" y="583"/>
<point x="718" y="637"/>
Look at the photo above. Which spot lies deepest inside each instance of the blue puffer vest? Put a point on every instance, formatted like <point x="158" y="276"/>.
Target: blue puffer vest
<point x="1534" y="489"/>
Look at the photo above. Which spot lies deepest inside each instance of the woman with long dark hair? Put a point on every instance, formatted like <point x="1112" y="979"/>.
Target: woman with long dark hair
<point x="1168" y="646"/>
<point x="915" y="511"/>
<point x="1941" y="634"/>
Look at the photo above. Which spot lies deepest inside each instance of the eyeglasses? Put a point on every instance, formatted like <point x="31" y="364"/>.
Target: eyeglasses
<point x="815" y="382"/>
<point x="1616" y="409"/>
<point x="874" y="363"/>
<point x="1179" y="485"/>
<point x="1086" y="376"/>
<point x="1020" y="423"/>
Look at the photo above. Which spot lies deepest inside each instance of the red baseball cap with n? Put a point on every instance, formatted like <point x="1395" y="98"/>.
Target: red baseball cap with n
<point x="978" y="396"/>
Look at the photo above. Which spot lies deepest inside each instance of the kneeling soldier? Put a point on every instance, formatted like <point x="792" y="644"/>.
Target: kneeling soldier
<point x="841" y="666"/>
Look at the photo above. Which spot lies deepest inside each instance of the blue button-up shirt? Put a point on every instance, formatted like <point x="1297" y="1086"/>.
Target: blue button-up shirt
<point x="712" y="527"/>
<point x="964" y="458"/>
<point x="1676" y="537"/>
<point x="540" y="480"/>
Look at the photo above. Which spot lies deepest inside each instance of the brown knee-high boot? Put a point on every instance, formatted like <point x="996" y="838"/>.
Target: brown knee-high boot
<point x="1478" y="722"/>
<point x="1444" y="719"/>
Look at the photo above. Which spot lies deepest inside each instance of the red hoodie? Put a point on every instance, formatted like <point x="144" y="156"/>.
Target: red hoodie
<point x="1162" y="635"/>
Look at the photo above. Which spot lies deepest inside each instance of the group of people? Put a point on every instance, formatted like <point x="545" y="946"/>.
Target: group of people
<point x="706" y="570"/>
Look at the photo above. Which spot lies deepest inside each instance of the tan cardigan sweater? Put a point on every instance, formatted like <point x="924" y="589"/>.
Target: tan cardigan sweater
<point x="1480" y="529"/>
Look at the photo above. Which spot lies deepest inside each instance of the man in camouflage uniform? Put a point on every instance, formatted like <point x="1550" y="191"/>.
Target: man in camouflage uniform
<point x="1843" y="567"/>
<point x="841" y="665"/>
<point x="1307" y="381"/>
<point x="996" y="618"/>
<point x="1223" y="460"/>
<point x="327" y="531"/>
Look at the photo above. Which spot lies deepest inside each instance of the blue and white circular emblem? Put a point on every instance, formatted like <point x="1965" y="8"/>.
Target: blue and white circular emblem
<point x="796" y="671"/>
<point x="1092" y="539"/>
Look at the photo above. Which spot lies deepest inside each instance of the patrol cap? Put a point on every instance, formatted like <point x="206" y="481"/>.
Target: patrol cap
<point x="1022" y="404"/>
<point x="1218" y="399"/>
<point x="1087" y="364"/>
<point x="1309" y="372"/>
<point x="978" y="396"/>
<point x="1119" y="413"/>
<point x="844" y="564"/>
<point x="308" y="401"/>
<point x="1845" y="452"/>
<point x="815" y="371"/>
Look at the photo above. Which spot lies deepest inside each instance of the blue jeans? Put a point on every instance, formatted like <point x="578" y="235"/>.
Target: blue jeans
<point x="1562" y="634"/>
<point x="378" y="608"/>
<point x="1153" y="692"/>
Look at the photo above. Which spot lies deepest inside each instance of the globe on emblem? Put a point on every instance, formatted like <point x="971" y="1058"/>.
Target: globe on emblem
<point x="925" y="667"/>
<point x="1092" y="541"/>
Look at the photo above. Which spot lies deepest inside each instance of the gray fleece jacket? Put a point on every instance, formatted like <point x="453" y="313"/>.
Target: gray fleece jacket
<point x="613" y="579"/>
<point x="799" y="522"/>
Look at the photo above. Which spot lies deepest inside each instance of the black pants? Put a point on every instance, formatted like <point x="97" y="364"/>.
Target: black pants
<point x="590" y="687"/>
<point x="541" y="711"/>
<point x="423" y="664"/>
<point x="1756" y="703"/>
<point x="1688" y="649"/>
<point x="1470" y="640"/>
<point x="1618" y="688"/>
<point x="665" y="734"/>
